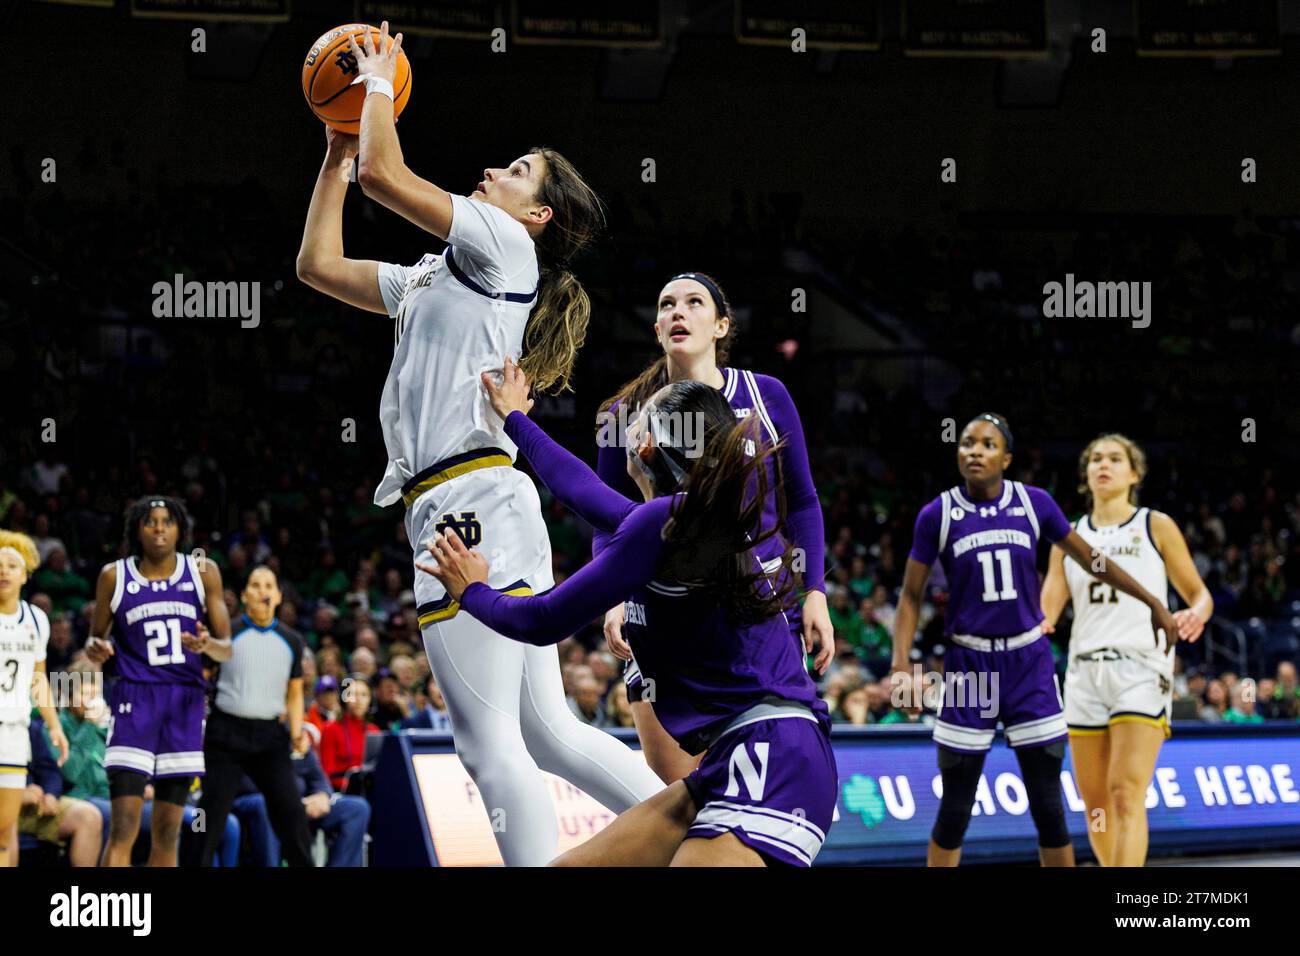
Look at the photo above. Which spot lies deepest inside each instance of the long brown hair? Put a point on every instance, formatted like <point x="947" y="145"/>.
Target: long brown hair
<point x="558" y="324"/>
<point x="716" y="525"/>
<point x="634" y="393"/>
<point x="1137" y="460"/>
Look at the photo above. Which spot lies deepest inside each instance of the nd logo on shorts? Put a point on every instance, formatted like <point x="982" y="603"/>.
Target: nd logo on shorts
<point x="467" y="526"/>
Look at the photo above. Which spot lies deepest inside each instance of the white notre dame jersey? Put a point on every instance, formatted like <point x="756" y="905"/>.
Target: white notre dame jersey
<point x="1104" y="617"/>
<point x="24" y="636"/>
<point x="458" y="315"/>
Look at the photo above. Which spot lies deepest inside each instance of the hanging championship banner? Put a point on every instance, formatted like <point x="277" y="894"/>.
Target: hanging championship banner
<point x="827" y="24"/>
<point x="1201" y="28"/>
<point x="465" y="19"/>
<point x="998" y="28"/>
<point x="260" y="11"/>
<point x="587" y="23"/>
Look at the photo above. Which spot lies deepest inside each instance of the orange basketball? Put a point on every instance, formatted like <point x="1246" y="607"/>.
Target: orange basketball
<point x="329" y="70"/>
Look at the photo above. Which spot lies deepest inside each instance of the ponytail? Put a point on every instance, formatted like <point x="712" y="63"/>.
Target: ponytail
<point x="558" y="325"/>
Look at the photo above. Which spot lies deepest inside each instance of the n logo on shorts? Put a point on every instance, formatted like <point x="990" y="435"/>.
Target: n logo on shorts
<point x="467" y="526"/>
<point x="755" y="778"/>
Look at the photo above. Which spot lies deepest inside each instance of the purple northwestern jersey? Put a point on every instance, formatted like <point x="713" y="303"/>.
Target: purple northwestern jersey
<point x="706" y="671"/>
<point x="148" y="620"/>
<point x="767" y="400"/>
<point x="988" y="550"/>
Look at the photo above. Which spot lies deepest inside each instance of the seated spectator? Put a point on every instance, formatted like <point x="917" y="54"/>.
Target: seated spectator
<point x="585" y="700"/>
<point x="1286" y="693"/>
<point x="67" y="589"/>
<point x="1242" y="710"/>
<point x="1216" y="702"/>
<point x="853" y="708"/>
<point x="433" y="716"/>
<point x="50" y="815"/>
<point x="343" y="741"/>
<point x="326" y="705"/>
<point x="364" y="662"/>
<point x="617" y="708"/>
<point x="1265" y="705"/>
<point x="392" y="706"/>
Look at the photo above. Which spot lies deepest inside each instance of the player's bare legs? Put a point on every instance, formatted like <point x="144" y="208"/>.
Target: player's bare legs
<point x="1090" y="754"/>
<point x="166" y="833"/>
<point x="664" y="755"/>
<point x="1133" y="752"/>
<point x="123" y="828"/>
<point x="650" y="834"/>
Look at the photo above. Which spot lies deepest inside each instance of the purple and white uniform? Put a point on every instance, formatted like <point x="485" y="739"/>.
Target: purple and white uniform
<point x="994" y="621"/>
<point x="766" y="399"/>
<point x="158" y="697"/>
<point x="742" y="693"/>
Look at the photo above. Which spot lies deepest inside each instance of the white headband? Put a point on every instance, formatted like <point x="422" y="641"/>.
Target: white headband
<point x="16" y="553"/>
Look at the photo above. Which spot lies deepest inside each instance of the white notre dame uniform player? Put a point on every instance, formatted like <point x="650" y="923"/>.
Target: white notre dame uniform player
<point x="24" y="636"/>
<point x="458" y="315"/>
<point x="1116" y="672"/>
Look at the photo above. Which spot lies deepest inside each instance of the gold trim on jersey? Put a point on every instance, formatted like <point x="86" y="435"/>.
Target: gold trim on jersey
<point x="1162" y="722"/>
<point x="445" y="609"/>
<point x="450" y="468"/>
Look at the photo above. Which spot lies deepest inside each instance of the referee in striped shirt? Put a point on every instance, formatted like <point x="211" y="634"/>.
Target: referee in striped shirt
<point x="244" y="733"/>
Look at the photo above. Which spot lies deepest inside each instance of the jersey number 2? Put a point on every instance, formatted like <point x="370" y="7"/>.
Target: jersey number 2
<point x="160" y="633"/>
<point x="991" y="592"/>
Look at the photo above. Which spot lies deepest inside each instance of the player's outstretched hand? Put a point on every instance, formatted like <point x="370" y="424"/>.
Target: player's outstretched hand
<point x="196" y="643"/>
<point x="376" y="58"/>
<point x="98" y="649"/>
<point x="456" y="566"/>
<point x="512" y="394"/>
<point x="1190" y="625"/>
<point x="1162" y="619"/>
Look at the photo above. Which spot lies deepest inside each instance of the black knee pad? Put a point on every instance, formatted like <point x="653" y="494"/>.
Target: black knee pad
<point x="1040" y="768"/>
<point x="172" y="790"/>
<point x="126" y="783"/>
<point x="961" y="777"/>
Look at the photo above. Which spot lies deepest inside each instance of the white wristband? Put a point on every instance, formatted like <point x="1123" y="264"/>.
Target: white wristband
<point x="375" y="84"/>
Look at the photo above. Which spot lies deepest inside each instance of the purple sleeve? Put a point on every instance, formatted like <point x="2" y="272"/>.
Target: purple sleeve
<point x="1051" y="519"/>
<point x="925" y="536"/>
<point x="803" y="518"/>
<point x="611" y="468"/>
<point x="567" y="476"/>
<point x="628" y="562"/>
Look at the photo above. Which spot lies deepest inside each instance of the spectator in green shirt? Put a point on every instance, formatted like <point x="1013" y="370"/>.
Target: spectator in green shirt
<point x="1242" y="710"/>
<point x="68" y="590"/>
<point x="83" y="772"/>
<point x="844" y="618"/>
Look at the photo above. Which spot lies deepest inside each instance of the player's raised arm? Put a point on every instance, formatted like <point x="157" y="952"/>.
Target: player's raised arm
<point x="382" y="171"/>
<point x="321" y="263"/>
